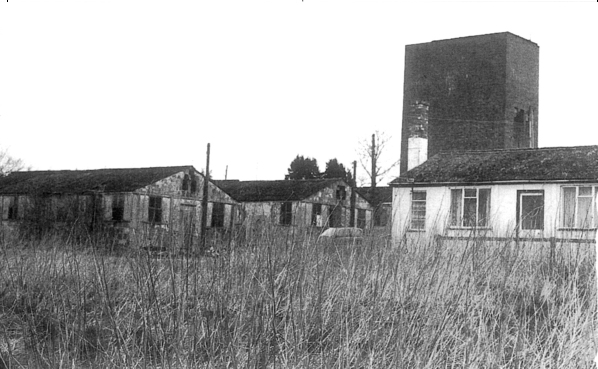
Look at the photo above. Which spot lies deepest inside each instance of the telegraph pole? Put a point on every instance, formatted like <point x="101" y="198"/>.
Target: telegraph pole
<point x="353" y="195"/>
<point x="204" y="201"/>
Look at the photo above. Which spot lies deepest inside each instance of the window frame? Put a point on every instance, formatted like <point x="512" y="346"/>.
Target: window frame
<point x="361" y="221"/>
<point x="529" y="193"/>
<point x="461" y="216"/>
<point x="286" y="215"/>
<point x="316" y="210"/>
<point x="412" y="218"/>
<point x="576" y="226"/>
<point x="154" y="214"/>
<point x="118" y="207"/>
<point x="218" y="217"/>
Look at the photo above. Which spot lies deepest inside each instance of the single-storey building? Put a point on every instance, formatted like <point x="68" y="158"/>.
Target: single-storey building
<point x="300" y="203"/>
<point x="152" y="205"/>
<point x="381" y="199"/>
<point x="523" y="194"/>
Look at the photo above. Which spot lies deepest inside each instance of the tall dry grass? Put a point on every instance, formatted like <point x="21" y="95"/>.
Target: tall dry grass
<point x="282" y="300"/>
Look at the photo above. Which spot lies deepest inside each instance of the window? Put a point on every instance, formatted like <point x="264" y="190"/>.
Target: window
<point x="577" y="209"/>
<point x="530" y="209"/>
<point x="217" y="215"/>
<point x="185" y="185"/>
<point x="13" y="208"/>
<point x="341" y="193"/>
<point x="418" y="210"/>
<point x="316" y="215"/>
<point x="361" y="218"/>
<point x="286" y="213"/>
<point x="470" y="207"/>
<point x="155" y="209"/>
<point x="118" y="207"/>
<point x="381" y="216"/>
<point x="193" y="184"/>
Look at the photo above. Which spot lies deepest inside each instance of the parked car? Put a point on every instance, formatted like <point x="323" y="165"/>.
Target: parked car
<point x="345" y="235"/>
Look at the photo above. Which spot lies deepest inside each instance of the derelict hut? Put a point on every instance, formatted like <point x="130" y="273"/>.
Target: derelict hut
<point x="381" y="200"/>
<point x="154" y="206"/>
<point x="316" y="203"/>
<point x="544" y="195"/>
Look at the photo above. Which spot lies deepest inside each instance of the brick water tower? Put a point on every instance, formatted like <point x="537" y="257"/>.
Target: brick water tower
<point x="469" y="93"/>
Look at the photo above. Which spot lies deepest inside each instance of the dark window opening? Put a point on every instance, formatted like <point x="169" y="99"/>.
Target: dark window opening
<point x="334" y="216"/>
<point x="13" y="208"/>
<point x="185" y="186"/>
<point x="118" y="207"/>
<point x="316" y="215"/>
<point x="193" y="184"/>
<point x="341" y="193"/>
<point x="286" y="213"/>
<point x="361" y="219"/>
<point x="217" y="215"/>
<point x="155" y="209"/>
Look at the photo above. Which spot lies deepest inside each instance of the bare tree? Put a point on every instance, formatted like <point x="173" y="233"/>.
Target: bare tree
<point x="9" y="164"/>
<point x="370" y="153"/>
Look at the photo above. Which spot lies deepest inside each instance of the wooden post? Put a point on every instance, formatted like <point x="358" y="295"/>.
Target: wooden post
<point x="204" y="201"/>
<point x="353" y="195"/>
<point x="552" y="252"/>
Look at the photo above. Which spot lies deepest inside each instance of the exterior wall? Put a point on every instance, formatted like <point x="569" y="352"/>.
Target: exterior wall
<point x="180" y="212"/>
<point x="472" y="93"/>
<point x="257" y="214"/>
<point x="503" y="213"/>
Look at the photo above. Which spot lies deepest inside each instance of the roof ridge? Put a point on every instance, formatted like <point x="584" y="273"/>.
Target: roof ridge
<point x="548" y="148"/>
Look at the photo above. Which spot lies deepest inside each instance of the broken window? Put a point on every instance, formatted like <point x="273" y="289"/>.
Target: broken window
<point x="118" y="207"/>
<point x="155" y="209"/>
<point x="193" y="184"/>
<point x="286" y="213"/>
<point x="531" y="209"/>
<point x="361" y="218"/>
<point x="577" y="209"/>
<point x="341" y="193"/>
<point x="316" y="215"/>
<point x="217" y="215"/>
<point x="418" y="210"/>
<point x="185" y="186"/>
<point x="470" y="207"/>
<point x="13" y="208"/>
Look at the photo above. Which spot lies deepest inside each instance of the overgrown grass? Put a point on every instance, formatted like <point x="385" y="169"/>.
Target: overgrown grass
<point x="282" y="300"/>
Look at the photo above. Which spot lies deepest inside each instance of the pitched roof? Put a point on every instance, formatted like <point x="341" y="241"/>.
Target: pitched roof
<point x="83" y="181"/>
<point x="380" y="195"/>
<point x="577" y="163"/>
<point x="282" y="190"/>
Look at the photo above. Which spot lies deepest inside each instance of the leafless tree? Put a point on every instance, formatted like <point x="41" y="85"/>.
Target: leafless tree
<point x="370" y="152"/>
<point x="9" y="164"/>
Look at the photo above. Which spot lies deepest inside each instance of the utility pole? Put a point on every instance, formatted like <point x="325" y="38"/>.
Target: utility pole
<point x="204" y="201"/>
<point x="373" y="161"/>
<point x="353" y="194"/>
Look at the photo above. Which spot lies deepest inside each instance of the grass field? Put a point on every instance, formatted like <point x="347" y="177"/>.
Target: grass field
<point x="284" y="301"/>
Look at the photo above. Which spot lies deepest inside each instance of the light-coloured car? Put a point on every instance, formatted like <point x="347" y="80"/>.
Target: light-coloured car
<point x="346" y="235"/>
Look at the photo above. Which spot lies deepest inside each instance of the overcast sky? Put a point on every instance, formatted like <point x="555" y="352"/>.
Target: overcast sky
<point x="105" y="84"/>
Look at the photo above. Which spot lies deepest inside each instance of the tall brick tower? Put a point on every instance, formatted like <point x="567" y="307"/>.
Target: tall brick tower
<point x="469" y="93"/>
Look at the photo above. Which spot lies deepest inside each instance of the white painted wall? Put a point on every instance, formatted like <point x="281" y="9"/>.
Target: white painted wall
<point x="503" y="210"/>
<point x="417" y="148"/>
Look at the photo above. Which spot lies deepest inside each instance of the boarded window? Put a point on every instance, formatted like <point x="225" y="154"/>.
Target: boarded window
<point x="316" y="215"/>
<point x="286" y="213"/>
<point x="418" y="210"/>
<point x="155" y="209"/>
<point x="577" y="210"/>
<point x="217" y="215"/>
<point x="531" y="210"/>
<point x="118" y="207"/>
<point x="470" y="207"/>
<point x="361" y="218"/>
